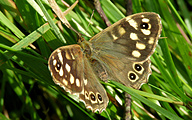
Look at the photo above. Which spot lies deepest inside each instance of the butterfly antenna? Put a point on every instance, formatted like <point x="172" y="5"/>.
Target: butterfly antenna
<point x="61" y="16"/>
<point x="79" y="35"/>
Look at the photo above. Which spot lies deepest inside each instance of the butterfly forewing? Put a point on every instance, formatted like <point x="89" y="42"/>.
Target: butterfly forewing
<point x="66" y="66"/>
<point x="129" y="41"/>
<point x="133" y="37"/>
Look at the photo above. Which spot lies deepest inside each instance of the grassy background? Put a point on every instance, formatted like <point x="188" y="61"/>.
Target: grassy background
<point x="26" y="41"/>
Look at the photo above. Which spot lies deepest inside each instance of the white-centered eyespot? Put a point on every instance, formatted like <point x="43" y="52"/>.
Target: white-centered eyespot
<point x="92" y="97"/>
<point x="99" y="97"/>
<point x="138" y="68"/>
<point x="145" y="28"/>
<point x="132" y="76"/>
<point x="58" y="66"/>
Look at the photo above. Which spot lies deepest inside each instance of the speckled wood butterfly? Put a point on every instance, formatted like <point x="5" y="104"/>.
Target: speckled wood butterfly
<point x="120" y="52"/>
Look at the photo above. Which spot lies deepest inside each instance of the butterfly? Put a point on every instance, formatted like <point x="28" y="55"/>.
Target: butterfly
<point x="121" y="53"/>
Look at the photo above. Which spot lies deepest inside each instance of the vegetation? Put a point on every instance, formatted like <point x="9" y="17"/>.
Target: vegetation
<point x="26" y="41"/>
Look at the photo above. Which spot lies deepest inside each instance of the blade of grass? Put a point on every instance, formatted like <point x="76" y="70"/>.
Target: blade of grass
<point x="52" y="24"/>
<point x="27" y="41"/>
<point x="147" y="102"/>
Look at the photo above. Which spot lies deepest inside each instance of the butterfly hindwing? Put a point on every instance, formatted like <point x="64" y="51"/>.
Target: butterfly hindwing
<point x="95" y="96"/>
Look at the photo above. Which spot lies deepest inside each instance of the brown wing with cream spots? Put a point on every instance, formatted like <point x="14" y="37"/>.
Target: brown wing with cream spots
<point x="131" y="40"/>
<point x="71" y="70"/>
<point x="94" y="96"/>
<point x="134" y="37"/>
<point x="66" y="66"/>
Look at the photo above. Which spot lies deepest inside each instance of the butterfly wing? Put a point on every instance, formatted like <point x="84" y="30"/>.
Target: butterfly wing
<point x="95" y="96"/>
<point x="128" y="42"/>
<point x="65" y="65"/>
<point x="71" y="70"/>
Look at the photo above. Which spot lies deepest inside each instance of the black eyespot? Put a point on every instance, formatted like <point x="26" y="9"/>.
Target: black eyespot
<point x="58" y="65"/>
<point x="132" y="76"/>
<point x="99" y="97"/>
<point x="138" y="67"/>
<point x="144" y="26"/>
<point x="92" y="96"/>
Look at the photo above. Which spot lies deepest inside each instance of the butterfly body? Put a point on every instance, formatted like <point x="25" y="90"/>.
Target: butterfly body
<point x="120" y="52"/>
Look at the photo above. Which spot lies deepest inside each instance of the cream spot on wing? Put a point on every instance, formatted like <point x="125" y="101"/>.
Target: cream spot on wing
<point x="114" y="37"/>
<point x="54" y="62"/>
<point x="60" y="57"/>
<point x="53" y="57"/>
<point x="145" y="20"/>
<point x="77" y="82"/>
<point x="151" y="40"/>
<point x="67" y="67"/>
<point x="67" y="55"/>
<point x="149" y="26"/>
<point x="142" y="16"/>
<point x="121" y="31"/>
<point x="58" y="51"/>
<point x="136" y="53"/>
<point x="72" y="79"/>
<point x="140" y="46"/>
<point x="134" y="36"/>
<point x="61" y="71"/>
<point x="65" y="82"/>
<point x="133" y="23"/>
<point x="146" y="32"/>
<point x="85" y="81"/>
<point x="72" y="56"/>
